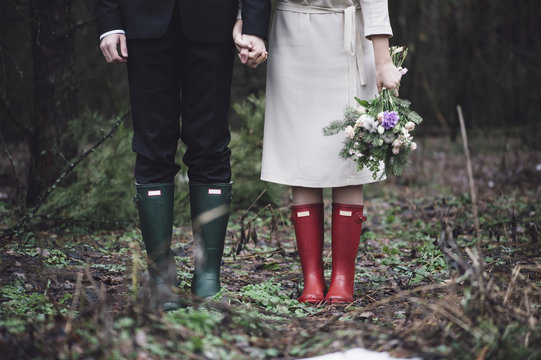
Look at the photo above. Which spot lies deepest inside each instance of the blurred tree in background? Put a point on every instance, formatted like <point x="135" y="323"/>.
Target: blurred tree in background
<point x="54" y="88"/>
<point x="480" y="54"/>
<point x="57" y="94"/>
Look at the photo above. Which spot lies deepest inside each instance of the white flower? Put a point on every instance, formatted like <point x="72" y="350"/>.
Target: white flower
<point x="361" y="109"/>
<point x="380" y="117"/>
<point x="396" y="151"/>
<point x="358" y="123"/>
<point x="365" y="117"/>
<point x="351" y="151"/>
<point x="358" y="154"/>
<point x="356" y="145"/>
<point x="406" y="135"/>
<point x="350" y="133"/>
<point x="409" y="126"/>
<point x="397" y="143"/>
<point x="413" y="145"/>
<point x="380" y="142"/>
<point x="388" y="137"/>
<point x="381" y="129"/>
<point x="369" y="123"/>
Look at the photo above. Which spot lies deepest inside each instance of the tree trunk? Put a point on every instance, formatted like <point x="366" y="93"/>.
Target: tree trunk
<point x="54" y="98"/>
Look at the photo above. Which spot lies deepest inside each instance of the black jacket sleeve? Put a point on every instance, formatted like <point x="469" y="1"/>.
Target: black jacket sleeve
<point x="256" y="17"/>
<point x="108" y="16"/>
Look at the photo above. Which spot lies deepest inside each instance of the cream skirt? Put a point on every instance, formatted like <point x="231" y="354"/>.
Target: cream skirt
<point x="308" y="86"/>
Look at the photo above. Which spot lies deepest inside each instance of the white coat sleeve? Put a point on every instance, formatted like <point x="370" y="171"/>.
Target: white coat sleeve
<point x="376" y="18"/>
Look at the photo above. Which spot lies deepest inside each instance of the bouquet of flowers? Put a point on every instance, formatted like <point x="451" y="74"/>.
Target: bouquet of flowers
<point x="379" y="131"/>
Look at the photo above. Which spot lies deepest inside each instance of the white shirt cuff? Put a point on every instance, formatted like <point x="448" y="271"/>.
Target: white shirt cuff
<point x="119" y="31"/>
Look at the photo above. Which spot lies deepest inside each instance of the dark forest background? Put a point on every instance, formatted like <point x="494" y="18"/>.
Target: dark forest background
<point x="449" y="265"/>
<point x="58" y="97"/>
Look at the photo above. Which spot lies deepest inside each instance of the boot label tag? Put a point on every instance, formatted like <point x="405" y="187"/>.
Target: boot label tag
<point x="154" y="193"/>
<point x="215" y="191"/>
<point x="303" y="213"/>
<point x="345" y="213"/>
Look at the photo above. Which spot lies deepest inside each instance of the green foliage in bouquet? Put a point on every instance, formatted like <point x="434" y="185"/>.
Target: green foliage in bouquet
<point x="378" y="132"/>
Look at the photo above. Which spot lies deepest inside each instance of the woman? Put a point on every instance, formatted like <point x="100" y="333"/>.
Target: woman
<point x="322" y="54"/>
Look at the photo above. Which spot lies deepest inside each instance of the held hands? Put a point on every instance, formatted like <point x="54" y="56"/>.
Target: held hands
<point x="114" y="48"/>
<point x="251" y="48"/>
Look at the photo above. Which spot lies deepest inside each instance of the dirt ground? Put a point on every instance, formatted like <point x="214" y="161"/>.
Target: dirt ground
<point x="420" y="289"/>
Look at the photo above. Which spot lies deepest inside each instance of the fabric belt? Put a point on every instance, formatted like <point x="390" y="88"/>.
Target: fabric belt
<point x="352" y="40"/>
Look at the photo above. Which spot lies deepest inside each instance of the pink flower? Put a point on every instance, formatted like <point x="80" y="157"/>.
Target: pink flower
<point x="396" y="151"/>
<point x="403" y="71"/>
<point x="413" y="146"/>
<point x="409" y="126"/>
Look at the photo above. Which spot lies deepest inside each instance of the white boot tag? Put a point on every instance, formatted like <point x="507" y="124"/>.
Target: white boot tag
<point x="345" y="213"/>
<point x="154" y="193"/>
<point x="215" y="191"/>
<point x="303" y="213"/>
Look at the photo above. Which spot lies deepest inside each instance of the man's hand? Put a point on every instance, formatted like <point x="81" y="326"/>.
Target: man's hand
<point x="251" y="48"/>
<point x="114" y="48"/>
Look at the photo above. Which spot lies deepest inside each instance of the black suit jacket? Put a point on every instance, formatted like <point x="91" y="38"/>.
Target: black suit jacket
<point x="202" y="20"/>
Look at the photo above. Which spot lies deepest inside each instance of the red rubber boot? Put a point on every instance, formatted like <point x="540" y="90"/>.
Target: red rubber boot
<point x="308" y="223"/>
<point x="347" y="223"/>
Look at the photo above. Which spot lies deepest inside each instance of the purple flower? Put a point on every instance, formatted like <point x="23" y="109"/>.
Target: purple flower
<point x="390" y="119"/>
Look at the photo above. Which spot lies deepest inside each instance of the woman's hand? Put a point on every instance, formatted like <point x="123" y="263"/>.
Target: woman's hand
<point x="387" y="75"/>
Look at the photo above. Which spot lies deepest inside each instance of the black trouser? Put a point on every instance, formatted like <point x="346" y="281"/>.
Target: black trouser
<point x="171" y="76"/>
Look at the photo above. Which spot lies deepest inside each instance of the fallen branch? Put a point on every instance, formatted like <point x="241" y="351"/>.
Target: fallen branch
<point x="26" y="218"/>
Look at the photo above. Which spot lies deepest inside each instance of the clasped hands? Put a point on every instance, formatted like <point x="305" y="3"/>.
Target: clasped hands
<point x="251" y="48"/>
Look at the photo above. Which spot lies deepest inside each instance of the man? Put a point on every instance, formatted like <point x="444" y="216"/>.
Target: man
<point x="179" y="56"/>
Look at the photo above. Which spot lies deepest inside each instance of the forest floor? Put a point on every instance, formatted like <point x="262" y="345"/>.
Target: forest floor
<point x="421" y="288"/>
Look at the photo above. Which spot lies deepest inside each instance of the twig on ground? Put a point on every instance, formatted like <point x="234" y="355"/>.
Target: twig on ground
<point x="470" y="177"/>
<point x="248" y="232"/>
<point x="74" y="302"/>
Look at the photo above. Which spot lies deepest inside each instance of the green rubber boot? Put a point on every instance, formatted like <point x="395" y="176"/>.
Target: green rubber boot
<point x="155" y="203"/>
<point x="210" y="212"/>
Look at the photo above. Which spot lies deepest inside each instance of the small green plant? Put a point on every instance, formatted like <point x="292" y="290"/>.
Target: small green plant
<point x="56" y="258"/>
<point x="270" y="296"/>
<point x="32" y="305"/>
